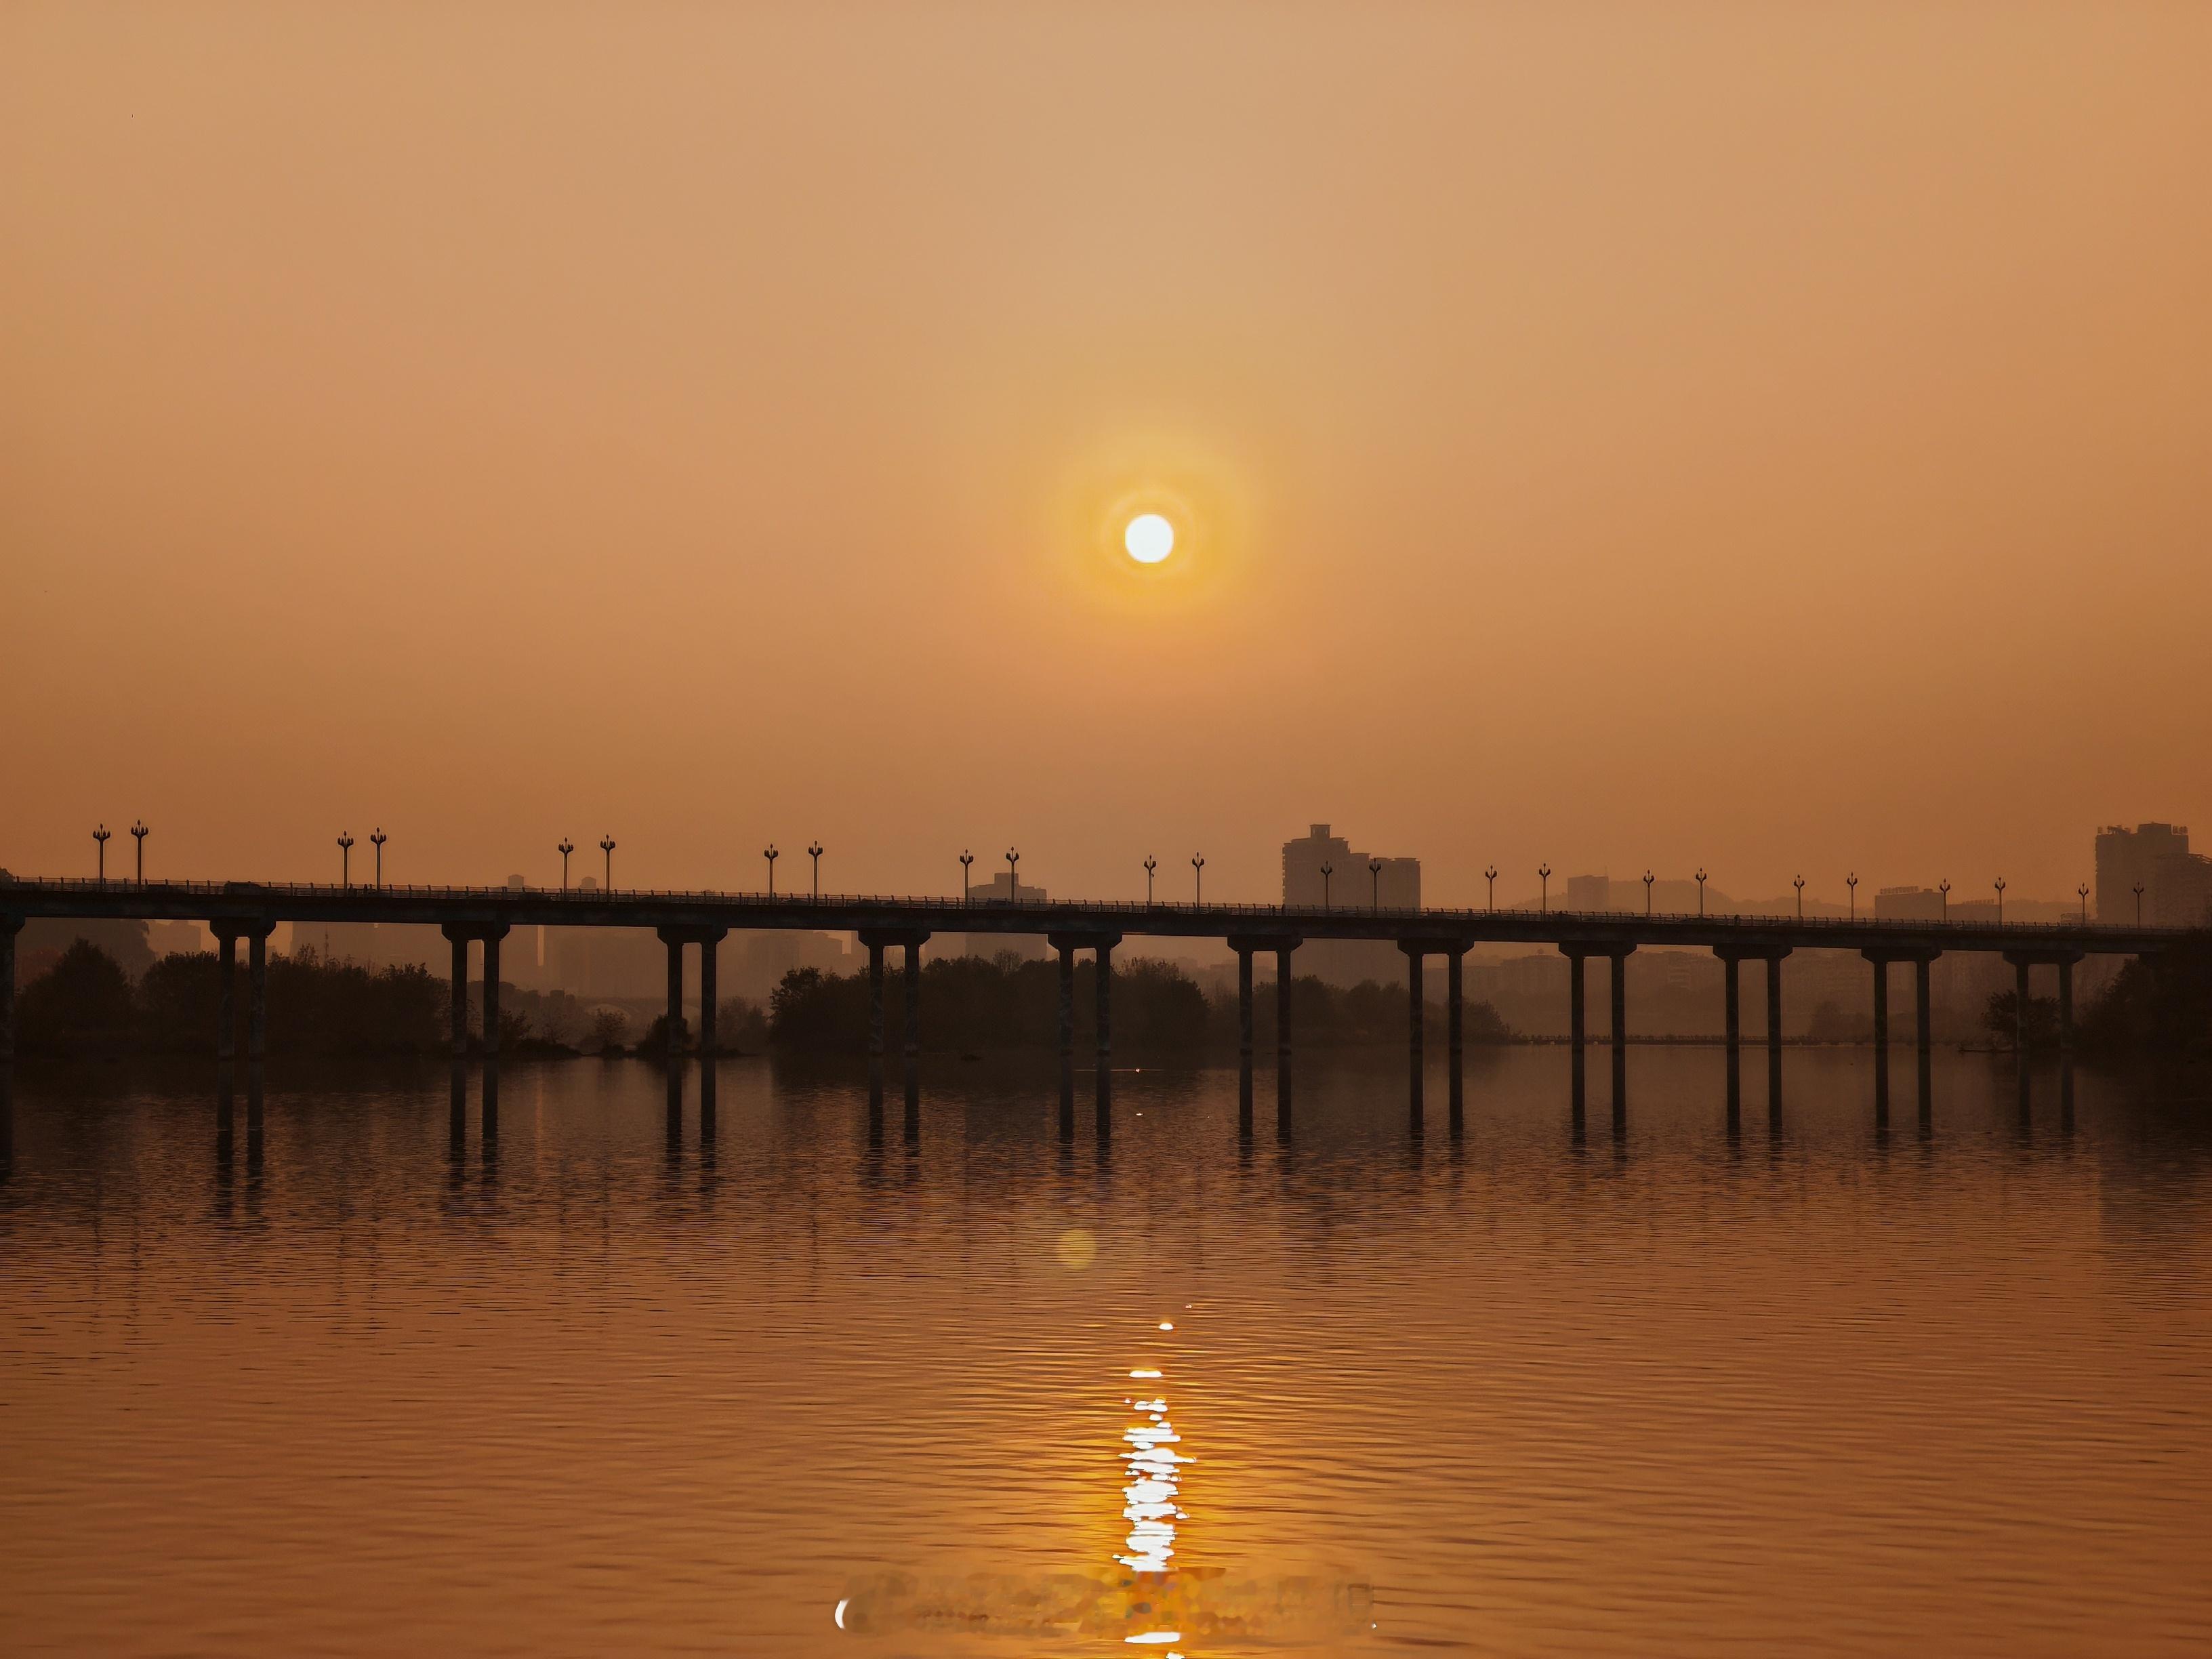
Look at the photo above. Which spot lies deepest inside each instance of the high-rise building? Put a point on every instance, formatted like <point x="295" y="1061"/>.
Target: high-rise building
<point x="2177" y="884"/>
<point x="1349" y="885"/>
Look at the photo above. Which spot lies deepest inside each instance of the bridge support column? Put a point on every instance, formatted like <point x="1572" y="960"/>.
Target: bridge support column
<point x="671" y="1024"/>
<point x="226" y="1015"/>
<point x="2020" y="1007"/>
<point x="1923" y="1039"/>
<point x="1617" y="983"/>
<point x="1732" y="990"/>
<point x="875" y="1020"/>
<point x="9" y="928"/>
<point x="710" y="990"/>
<point x="1067" y="1029"/>
<point x="1575" y="1027"/>
<point x="1243" y="1040"/>
<point x="257" y="1033"/>
<point x="1454" y="1032"/>
<point x="1774" y="1036"/>
<point x="1283" y="981"/>
<point x="1880" y="1038"/>
<point x="457" y="1026"/>
<point x="1103" y="1081"/>
<point x="2065" y="1008"/>
<point x="1416" y="998"/>
<point x="492" y="936"/>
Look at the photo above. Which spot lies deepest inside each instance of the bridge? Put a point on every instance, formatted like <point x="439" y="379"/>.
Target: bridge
<point x="483" y="915"/>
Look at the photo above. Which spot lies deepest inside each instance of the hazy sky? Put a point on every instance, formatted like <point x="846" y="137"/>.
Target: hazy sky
<point x="1775" y="437"/>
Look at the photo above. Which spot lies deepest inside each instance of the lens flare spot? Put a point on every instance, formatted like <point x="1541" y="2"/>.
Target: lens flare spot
<point x="1076" y="1249"/>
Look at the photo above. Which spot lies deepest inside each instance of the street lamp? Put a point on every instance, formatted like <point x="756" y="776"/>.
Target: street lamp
<point x="1944" y="888"/>
<point x="769" y="853"/>
<point x="2139" y="890"/>
<point x="1151" y="864"/>
<point x="1013" y="881"/>
<point x="138" y="832"/>
<point x="377" y="838"/>
<point x="1701" y="890"/>
<point x="1852" y="881"/>
<point x="1544" y="896"/>
<point x="1327" y="871"/>
<point x="101" y="835"/>
<point x="1798" y="882"/>
<point x="2083" y="889"/>
<point x="1197" y="881"/>
<point x="1647" y="892"/>
<point x="2001" y="887"/>
<point x="607" y="846"/>
<point x="814" y="851"/>
<point x="566" y="848"/>
<point x="967" y="858"/>
<point x="345" y="858"/>
<point x="1490" y="875"/>
<point x="1375" y="884"/>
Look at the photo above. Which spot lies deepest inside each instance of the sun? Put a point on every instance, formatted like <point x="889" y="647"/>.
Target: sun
<point x="1149" y="538"/>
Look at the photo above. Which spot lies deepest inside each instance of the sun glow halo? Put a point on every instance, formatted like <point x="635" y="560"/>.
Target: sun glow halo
<point x="1149" y="538"/>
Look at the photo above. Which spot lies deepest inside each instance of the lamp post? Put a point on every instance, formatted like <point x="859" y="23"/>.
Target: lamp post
<point x="345" y="858"/>
<point x="1197" y="881"/>
<point x="1327" y="871"/>
<point x="1944" y="888"/>
<point x="376" y="839"/>
<point x="566" y="848"/>
<point x="967" y="858"/>
<point x="814" y="851"/>
<point x="138" y="832"/>
<point x="1151" y="864"/>
<point x="2139" y="891"/>
<point x="2083" y="889"/>
<point x="1013" y="881"/>
<point x="1375" y="884"/>
<point x="1852" y="881"/>
<point x="1647" y="892"/>
<point x="1490" y="875"/>
<point x="100" y="836"/>
<point x="607" y="846"/>
<point x="2001" y="887"/>
<point x="1701" y="890"/>
<point x="1544" y="896"/>
<point x="769" y="853"/>
<point x="1798" y="882"/>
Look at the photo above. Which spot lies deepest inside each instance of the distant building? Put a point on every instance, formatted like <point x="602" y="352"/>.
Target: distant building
<point x="1589" y="893"/>
<point x="1002" y="889"/>
<point x="1908" y="904"/>
<point x="2177" y="884"/>
<point x="1349" y="885"/>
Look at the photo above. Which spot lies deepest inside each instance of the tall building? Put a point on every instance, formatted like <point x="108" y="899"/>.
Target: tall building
<point x="2177" y="884"/>
<point x="1908" y="904"/>
<point x="1002" y="888"/>
<point x="1349" y="885"/>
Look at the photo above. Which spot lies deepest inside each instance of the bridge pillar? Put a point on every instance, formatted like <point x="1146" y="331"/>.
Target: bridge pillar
<point x="1618" y="984"/>
<point x="2065" y="1007"/>
<point x="1104" y="1011"/>
<point x="671" y="941"/>
<point x="1880" y="1036"/>
<point x="1575" y="1024"/>
<point x="1774" y="1032"/>
<point x="256" y="994"/>
<point x="1283" y="980"/>
<point x="2020" y="1007"/>
<point x="1416" y="995"/>
<point x="1455" y="1029"/>
<point x="9" y="928"/>
<point x="226" y="1015"/>
<point x="875" y="1001"/>
<point x="1924" y="1040"/>
<point x="1067" y="952"/>
<point x="491" y="939"/>
<point x="710" y="990"/>
<point x="1244" y="1038"/>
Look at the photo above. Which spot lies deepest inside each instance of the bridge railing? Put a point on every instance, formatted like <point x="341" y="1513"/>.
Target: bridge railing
<point x="800" y="902"/>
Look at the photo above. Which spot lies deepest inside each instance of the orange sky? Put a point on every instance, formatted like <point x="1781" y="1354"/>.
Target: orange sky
<point x="1772" y="437"/>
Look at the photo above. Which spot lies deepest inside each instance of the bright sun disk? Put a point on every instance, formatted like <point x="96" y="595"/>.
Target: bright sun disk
<point x="1149" y="538"/>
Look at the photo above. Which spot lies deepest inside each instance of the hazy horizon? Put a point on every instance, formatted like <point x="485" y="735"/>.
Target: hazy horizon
<point x="1742" y="437"/>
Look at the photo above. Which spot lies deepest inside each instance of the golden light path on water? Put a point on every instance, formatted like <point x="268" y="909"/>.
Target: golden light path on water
<point x="1149" y="1498"/>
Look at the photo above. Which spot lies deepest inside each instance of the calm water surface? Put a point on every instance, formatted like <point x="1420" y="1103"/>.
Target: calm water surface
<point x="607" y="1390"/>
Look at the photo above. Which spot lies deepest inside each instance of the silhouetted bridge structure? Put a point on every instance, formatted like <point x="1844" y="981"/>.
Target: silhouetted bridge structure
<point x="483" y="915"/>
